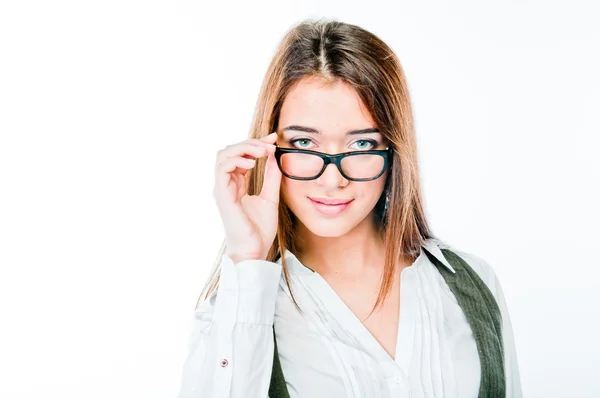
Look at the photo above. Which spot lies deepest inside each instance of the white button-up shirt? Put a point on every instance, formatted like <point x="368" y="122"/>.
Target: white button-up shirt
<point x="327" y="351"/>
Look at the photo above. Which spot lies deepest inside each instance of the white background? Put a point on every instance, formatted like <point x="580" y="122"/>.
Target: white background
<point x="111" y="113"/>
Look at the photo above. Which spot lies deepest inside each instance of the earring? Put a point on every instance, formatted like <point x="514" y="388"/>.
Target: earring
<point x="387" y="205"/>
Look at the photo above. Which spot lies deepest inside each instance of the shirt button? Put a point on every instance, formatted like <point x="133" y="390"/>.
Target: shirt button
<point x="398" y="379"/>
<point x="224" y="363"/>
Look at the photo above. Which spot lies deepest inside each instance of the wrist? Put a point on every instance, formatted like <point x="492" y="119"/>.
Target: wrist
<point x="238" y="258"/>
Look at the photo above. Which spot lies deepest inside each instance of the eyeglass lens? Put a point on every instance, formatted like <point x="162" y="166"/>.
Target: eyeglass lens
<point x="306" y="165"/>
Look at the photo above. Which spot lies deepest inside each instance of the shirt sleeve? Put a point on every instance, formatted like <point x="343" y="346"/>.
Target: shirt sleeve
<point x="230" y="350"/>
<point x="511" y="366"/>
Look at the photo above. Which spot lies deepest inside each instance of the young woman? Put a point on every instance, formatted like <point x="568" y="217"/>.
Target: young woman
<point x="365" y="301"/>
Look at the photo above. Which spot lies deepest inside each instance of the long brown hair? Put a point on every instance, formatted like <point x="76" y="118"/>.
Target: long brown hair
<point x="333" y="51"/>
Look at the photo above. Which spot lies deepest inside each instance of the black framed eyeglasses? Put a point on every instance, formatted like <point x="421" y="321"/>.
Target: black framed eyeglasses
<point x="304" y="164"/>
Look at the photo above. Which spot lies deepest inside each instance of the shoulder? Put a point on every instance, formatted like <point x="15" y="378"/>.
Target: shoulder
<point x="479" y="264"/>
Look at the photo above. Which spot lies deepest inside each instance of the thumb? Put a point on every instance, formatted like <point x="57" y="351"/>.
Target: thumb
<point x="271" y="180"/>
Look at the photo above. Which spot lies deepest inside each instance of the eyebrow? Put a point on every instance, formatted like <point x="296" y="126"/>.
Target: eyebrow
<point x="311" y="130"/>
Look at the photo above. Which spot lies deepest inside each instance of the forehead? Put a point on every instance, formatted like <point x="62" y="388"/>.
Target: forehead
<point x="332" y="108"/>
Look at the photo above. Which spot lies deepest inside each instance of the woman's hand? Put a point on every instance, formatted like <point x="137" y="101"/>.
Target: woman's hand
<point x="250" y="220"/>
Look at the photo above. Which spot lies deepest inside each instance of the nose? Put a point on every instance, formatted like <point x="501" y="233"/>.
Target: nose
<point x="332" y="177"/>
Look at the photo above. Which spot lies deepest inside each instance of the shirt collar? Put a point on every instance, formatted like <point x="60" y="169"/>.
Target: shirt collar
<point x="432" y="245"/>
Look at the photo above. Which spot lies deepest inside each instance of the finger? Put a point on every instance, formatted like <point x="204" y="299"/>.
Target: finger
<point x="246" y="150"/>
<point x="225" y="168"/>
<point x="266" y="141"/>
<point x="229" y="165"/>
<point x="262" y="144"/>
<point x="240" y="171"/>
<point x="259" y="142"/>
<point x="223" y="171"/>
<point x="271" y="180"/>
<point x="271" y="138"/>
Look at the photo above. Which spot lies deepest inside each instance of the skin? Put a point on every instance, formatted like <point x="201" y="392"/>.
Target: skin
<point x="345" y="249"/>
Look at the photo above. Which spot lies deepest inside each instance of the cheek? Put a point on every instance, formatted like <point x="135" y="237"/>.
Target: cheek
<point x="293" y="192"/>
<point x="371" y="193"/>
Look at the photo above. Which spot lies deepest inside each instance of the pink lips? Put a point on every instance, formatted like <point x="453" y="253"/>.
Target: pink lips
<point x="333" y="201"/>
<point x="330" y="206"/>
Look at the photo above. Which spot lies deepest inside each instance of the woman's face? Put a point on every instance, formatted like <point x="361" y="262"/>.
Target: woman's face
<point x="332" y="110"/>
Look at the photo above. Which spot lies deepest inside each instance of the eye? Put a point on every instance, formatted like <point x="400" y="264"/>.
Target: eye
<point x="304" y="140"/>
<point x="368" y="142"/>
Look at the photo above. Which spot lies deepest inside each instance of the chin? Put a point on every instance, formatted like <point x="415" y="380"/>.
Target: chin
<point x="327" y="229"/>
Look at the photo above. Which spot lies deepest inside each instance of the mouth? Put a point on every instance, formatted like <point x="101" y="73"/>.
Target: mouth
<point x="332" y="201"/>
<point x="330" y="206"/>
